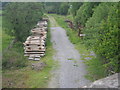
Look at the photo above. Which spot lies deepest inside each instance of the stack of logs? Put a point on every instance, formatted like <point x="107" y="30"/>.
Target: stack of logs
<point x="34" y="46"/>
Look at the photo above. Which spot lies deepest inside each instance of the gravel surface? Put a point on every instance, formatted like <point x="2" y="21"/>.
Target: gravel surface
<point x="71" y="72"/>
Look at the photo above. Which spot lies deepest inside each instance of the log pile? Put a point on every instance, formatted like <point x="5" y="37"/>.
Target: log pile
<point x="34" y="46"/>
<point x="70" y="24"/>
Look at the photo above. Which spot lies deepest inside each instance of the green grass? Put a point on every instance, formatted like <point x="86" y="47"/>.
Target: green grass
<point x="40" y="79"/>
<point x="0" y="31"/>
<point x="0" y="34"/>
<point x="94" y="66"/>
<point x="0" y="11"/>
<point x="26" y="77"/>
<point x="53" y="22"/>
<point x="6" y="39"/>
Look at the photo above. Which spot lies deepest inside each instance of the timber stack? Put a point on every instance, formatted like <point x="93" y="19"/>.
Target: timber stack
<point x="34" y="46"/>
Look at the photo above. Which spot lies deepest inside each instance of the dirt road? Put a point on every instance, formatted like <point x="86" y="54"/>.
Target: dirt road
<point x="71" y="70"/>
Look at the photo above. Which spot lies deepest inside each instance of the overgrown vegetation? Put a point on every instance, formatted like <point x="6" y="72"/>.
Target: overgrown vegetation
<point x="14" y="57"/>
<point x="55" y="7"/>
<point x="18" y="20"/>
<point x="6" y="39"/>
<point x="84" y="13"/>
<point x="99" y="22"/>
<point x="21" y="17"/>
<point x="17" y="70"/>
<point x="64" y="8"/>
<point x="26" y="77"/>
<point x="93" y="71"/>
<point x="0" y="32"/>
<point x="39" y="79"/>
<point x="102" y="35"/>
<point x="52" y="7"/>
<point x="74" y="8"/>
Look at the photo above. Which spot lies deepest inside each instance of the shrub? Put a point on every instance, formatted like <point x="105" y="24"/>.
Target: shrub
<point x="85" y="12"/>
<point x="14" y="58"/>
<point x="21" y="17"/>
<point x="102" y="35"/>
<point x="64" y="8"/>
<point x="75" y="7"/>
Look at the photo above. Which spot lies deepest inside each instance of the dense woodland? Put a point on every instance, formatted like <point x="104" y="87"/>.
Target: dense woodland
<point x="98" y="21"/>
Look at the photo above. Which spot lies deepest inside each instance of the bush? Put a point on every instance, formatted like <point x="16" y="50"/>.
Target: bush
<point x="64" y="8"/>
<point x="75" y="7"/>
<point x="96" y="69"/>
<point x="52" y="7"/>
<point x="19" y="18"/>
<point x="85" y="12"/>
<point x="14" y="58"/>
<point x="102" y="35"/>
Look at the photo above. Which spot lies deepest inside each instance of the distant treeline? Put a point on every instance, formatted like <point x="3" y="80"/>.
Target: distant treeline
<point x="57" y="7"/>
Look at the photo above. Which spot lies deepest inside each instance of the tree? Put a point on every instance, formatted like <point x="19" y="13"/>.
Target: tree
<point x="102" y="35"/>
<point x="52" y="7"/>
<point x="64" y="8"/>
<point x="21" y="17"/>
<point x="74" y="7"/>
<point x="85" y="12"/>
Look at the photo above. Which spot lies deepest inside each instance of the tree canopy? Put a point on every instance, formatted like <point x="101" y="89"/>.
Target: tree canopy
<point x="21" y="17"/>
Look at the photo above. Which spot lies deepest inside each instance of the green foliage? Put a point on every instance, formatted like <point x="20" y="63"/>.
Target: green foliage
<point x="72" y="37"/>
<point x="96" y="69"/>
<point x="39" y="79"/>
<point x="48" y="42"/>
<point x="1" y="33"/>
<point x="21" y="17"/>
<point x="94" y="65"/>
<point x="64" y="8"/>
<point x="84" y="12"/>
<point x="74" y="7"/>
<point x="102" y="35"/>
<point x="14" y="58"/>
<point x="6" y="39"/>
<point x="27" y="77"/>
<point x="58" y="8"/>
<point x="52" y="7"/>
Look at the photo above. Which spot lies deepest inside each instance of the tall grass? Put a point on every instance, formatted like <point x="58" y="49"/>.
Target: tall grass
<point x="0" y="33"/>
<point x="6" y="39"/>
<point x="14" y="58"/>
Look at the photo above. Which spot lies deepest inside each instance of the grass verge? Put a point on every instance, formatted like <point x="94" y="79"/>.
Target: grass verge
<point x="26" y="77"/>
<point x="40" y="79"/>
<point x="0" y="33"/>
<point x="94" y="66"/>
<point x="6" y="39"/>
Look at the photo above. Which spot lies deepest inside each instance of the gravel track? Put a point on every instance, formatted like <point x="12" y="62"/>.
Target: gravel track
<point x="71" y="70"/>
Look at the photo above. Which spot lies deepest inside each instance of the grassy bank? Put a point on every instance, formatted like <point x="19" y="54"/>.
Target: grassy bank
<point x="94" y="66"/>
<point x="6" y="39"/>
<point x="0" y="33"/>
<point x="25" y="76"/>
<point x="40" y="79"/>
